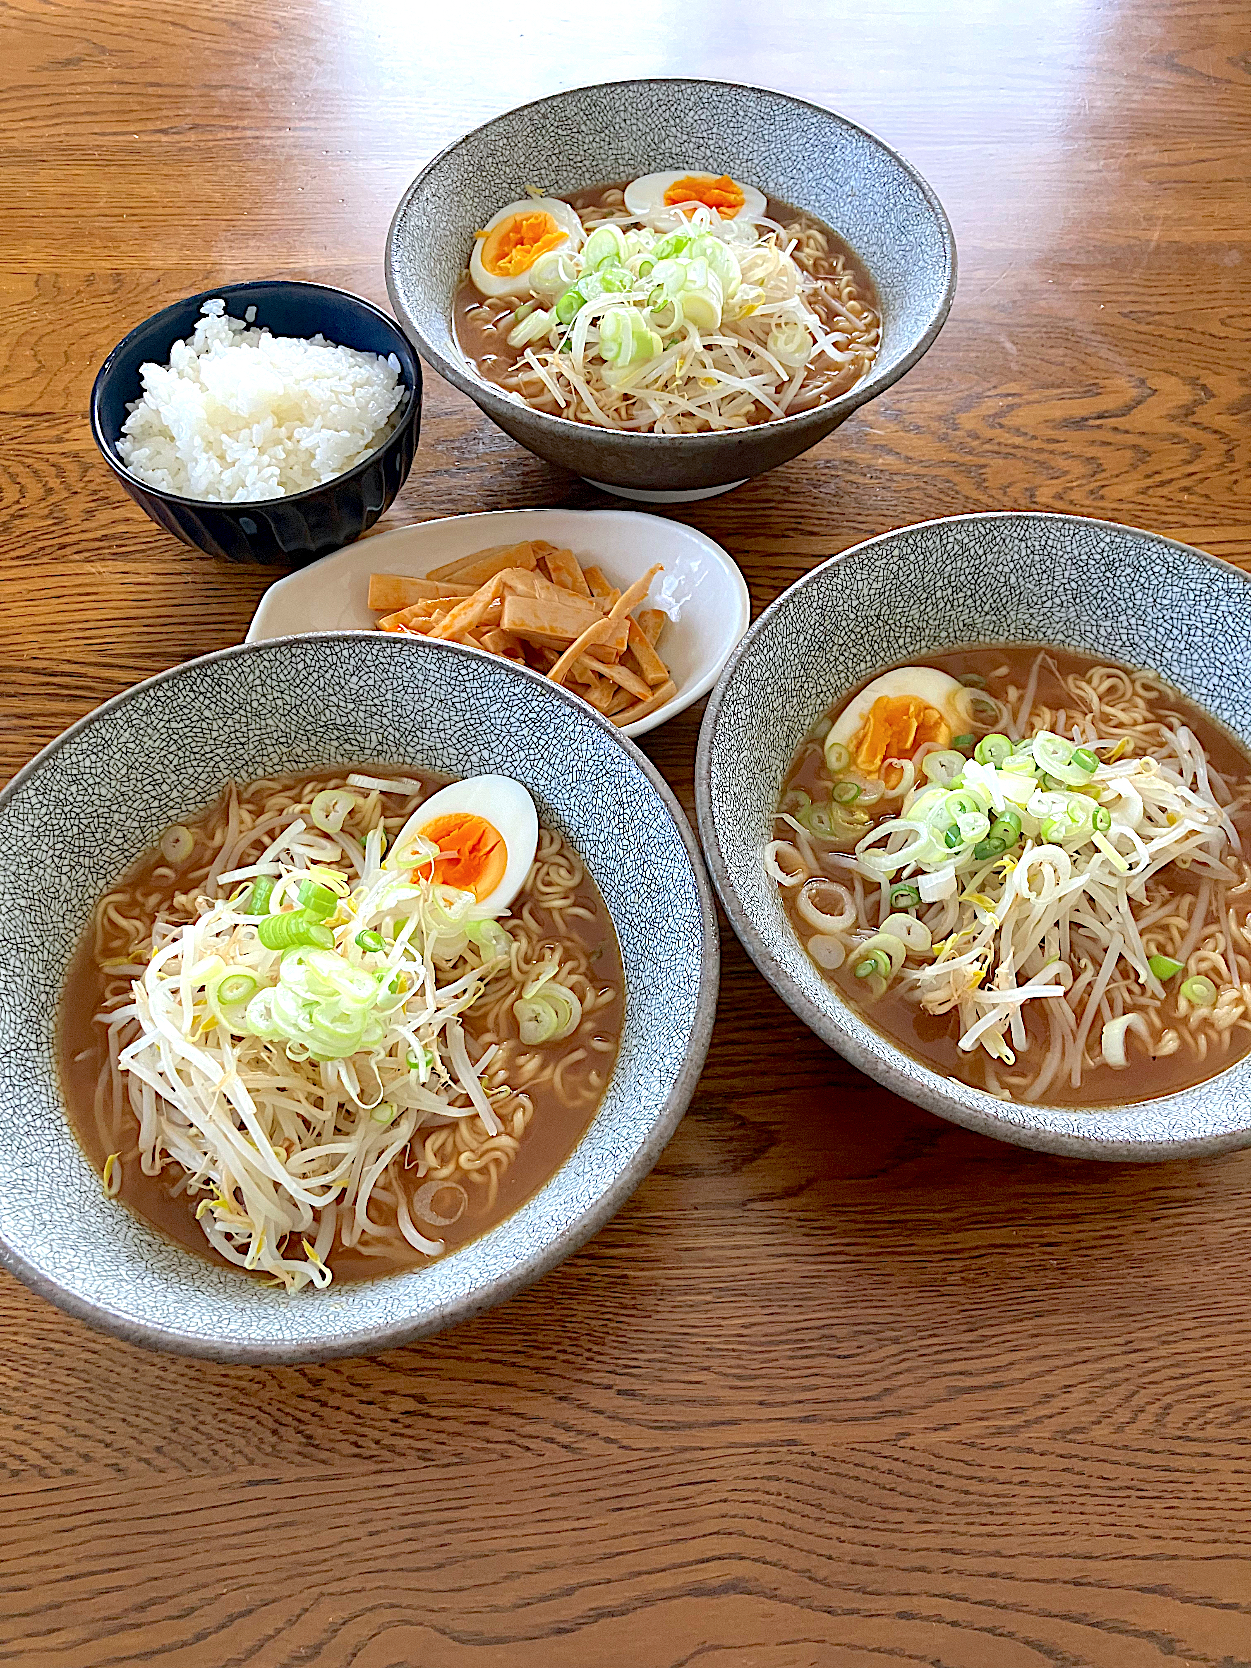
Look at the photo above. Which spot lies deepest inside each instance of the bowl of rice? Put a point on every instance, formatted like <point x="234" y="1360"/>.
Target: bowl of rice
<point x="264" y="422"/>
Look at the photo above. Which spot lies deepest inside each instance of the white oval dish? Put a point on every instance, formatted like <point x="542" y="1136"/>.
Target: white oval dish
<point x="701" y="589"/>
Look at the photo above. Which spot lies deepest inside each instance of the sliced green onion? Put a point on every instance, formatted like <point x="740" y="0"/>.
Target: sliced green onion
<point x="384" y="1112"/>
<point x="1085" y="760"/>
<point x="962" y="802"/>
<point x="177" y="844"/>
<point x="886" y="950"/>
<point x="1101" y="819"/>
<point x="1164" y="967"/>
<point x="1199" y="992"/>
<point x="846" y="792"/>
<point x="943" y="767"/>
<point x="837" y="757"/>
<point x="548" y="1015"/>
<point x="606" y="243"/>
<point x="624" y="338"/>
<point x="978" y="708"/>
<point x="675" y="244"/>
<point x="1020" y="764"/>
<point x="371" y="940"/>
<point x="552" y="274"/>
<point x="906" y="896"/>
<point x="1012" y="817"/>
<point x="1051" y="751"/>
<point x="331" y="808"/>
<point x="321" y="1002"/>
<point x="257" y="900"/>
<point x="953" y="838"/>
<point x="236" y="987"/>
<point x="966" y="740"/>
<point x="724" y="263"/>
<point x="993" y="749"/>
<point x="570" y="305"/>
<point x="293" y="929"/>
<point x="991" y="847"/>
<point x="972" y="680"/>
<point x="532" y="328"/>
<point x="319" y="902"/>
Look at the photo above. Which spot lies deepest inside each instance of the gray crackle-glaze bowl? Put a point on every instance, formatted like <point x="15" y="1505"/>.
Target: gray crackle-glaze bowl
<point x="810" y="157"/>
<point x="1086" y="585"/>
<point x="73" y="819"/>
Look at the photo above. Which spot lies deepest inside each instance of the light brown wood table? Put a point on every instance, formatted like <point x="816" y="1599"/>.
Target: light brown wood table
<point x="841" y="1385"/>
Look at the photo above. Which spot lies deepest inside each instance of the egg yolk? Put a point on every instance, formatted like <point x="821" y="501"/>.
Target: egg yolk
<point x="896" y="726"/>
<point x="721" y="194"/>
<point x="516" y="243"/>
<point x="472" y="854"/>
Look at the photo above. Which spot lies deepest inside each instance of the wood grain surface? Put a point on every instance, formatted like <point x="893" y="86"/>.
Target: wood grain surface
<point x="841" y="1385"/>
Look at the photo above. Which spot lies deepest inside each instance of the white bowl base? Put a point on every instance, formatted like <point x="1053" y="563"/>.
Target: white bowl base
<point x="643" y="496"/>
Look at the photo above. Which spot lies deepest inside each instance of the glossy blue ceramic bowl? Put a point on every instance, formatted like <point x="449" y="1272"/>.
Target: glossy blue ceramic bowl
<point x="283" y="531"/>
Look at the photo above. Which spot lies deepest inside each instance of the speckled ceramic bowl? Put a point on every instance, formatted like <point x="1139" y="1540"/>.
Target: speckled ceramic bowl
<point x="619" y="130"/>
<point x="1085" y="585"/>
<point x="72" y="820"/>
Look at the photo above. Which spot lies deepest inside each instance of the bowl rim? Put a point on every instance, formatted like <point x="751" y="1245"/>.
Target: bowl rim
<point x="868" y="388"/>
<point x="735" y="588"/>
<point x="932" y="1090"/>
<point x="532" y="1267"/>
<point x="407" y="409"/>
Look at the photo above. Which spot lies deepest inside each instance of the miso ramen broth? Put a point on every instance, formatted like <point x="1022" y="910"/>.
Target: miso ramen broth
<point x="441" y="1120"/>
<point x="1028" y="869"/>
<point x="671" y="317"/>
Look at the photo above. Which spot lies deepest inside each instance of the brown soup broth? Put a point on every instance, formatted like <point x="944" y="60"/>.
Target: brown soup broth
<point x="482" y="323"/>
<point x="565" y="1100"/>
<point x="932" y="1038"/>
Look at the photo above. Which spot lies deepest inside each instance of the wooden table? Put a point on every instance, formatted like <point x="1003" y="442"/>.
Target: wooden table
<point x="841" y="1385"/>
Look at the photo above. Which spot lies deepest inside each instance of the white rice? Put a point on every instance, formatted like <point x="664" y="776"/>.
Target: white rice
<point x="239" y="414"/>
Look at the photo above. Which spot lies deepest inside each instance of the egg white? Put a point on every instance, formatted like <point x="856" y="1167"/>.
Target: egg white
<point x="518" y="283"/>
<point x="927" y="683"/>
<point x="508" y="808"/>
<point x="646" y="196"/>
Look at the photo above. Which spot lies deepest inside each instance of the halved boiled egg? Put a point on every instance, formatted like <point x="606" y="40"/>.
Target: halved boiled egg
<point x="898" y="713"/>
<point x="487" y="833"/>
<point x="656" y="197"/>
<point x="510" y="243"/>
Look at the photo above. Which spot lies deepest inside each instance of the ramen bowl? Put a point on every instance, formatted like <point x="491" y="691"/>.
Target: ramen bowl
<point x="809" y="157"/>
<point x="77" y="815"/>
<point x="1103" y="590"/>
